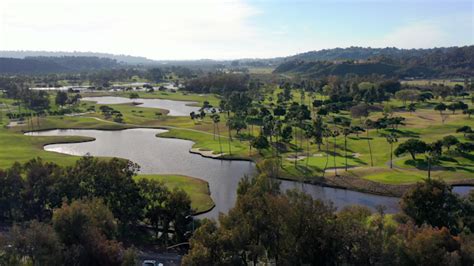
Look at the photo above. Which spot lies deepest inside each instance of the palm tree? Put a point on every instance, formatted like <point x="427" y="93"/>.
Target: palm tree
<point x="216" y="119"/>
<point x="326" y="135"/>
<point x="391" y="138"/>
<point x="335" y="133"/>
<point x="224" y="106"/>
<point x="369" y="123"/>
<point x="308" y="132"/>
<point x="346" y="132"/>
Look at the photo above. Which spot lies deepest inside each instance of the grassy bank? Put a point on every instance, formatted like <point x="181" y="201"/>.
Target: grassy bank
<point x="197" y="189"/>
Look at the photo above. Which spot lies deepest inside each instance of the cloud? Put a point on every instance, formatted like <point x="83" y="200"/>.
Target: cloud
<point x="417" y="35"/>
<point x="455" y="30"/>
<point x="159" y="29"/>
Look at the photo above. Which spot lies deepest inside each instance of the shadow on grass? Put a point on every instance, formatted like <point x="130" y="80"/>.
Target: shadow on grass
<point x="468" y="156"/>
<point x="406" y="133"/>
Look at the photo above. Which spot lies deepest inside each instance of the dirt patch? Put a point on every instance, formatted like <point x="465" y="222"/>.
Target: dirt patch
<point x="293" y="158"/>
<point x="206" y="153"/>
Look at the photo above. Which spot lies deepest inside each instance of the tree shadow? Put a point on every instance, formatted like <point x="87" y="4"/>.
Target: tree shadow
<point x="406" y="133"/>
<point x="448" y="159"/>
<point x="468" y="156"/>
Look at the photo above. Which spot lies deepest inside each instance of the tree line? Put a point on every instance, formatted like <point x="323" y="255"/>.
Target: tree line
<point x="81" y="212"/>
<point x="269" y="226"/>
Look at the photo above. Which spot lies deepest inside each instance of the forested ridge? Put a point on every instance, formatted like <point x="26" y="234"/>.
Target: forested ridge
<point x="51" y="64"/>
<point x="437" y="62"/>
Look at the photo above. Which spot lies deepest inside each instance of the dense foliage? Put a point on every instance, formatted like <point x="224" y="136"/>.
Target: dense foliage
<point x="442" y="62"/>
<point x="268" y="226"/>
<point x="37" y="65"/>
<point x="86" y="209"/>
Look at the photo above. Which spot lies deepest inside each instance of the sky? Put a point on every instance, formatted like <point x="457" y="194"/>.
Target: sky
<point x="229" y="29"/>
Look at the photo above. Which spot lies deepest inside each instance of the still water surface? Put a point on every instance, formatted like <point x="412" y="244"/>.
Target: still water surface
<point x="176" y="108"/>
<point x="158" y="155"/>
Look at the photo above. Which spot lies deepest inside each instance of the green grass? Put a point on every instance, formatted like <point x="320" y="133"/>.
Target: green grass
<point x="178" y="96"/>
<point x="425" y="123"/>
<point x="197" y="189"/>
<point x="395" y="177"/>
<point x="15" y="147"/>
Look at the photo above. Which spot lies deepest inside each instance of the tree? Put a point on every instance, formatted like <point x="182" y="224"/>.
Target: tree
<point x="318" y="129"/>
<point x="279" y="111"/>
<point x="433" y="202"/>
<point x="215" y="120"/>
<point x="465" y="147"/>
<point x="411" y="146"/>
<point x="206" y="246"/>
<point x="464" y="130"/>
<point x="61" y="98"/>
<point x="346" y="131"/>
<point x="156" y="195"/>
<point x="38" y="243"/>
<point x="111" y="181"/>
<point x="453" y="107"/>
<point x="407" y="95"/>
<point x="440" y="107"/>
<point x="470" y="112"/>
<point x="133" y="95"/>
<point x="391" y="138"/>
<point x="156" y="74"/>
<point x="11" y="187"/>
<point x="433" y="152"/>
<point x="412" y="107"/>
<point x="260" y="143"/>
<point x="286" y="134"/>
<point x="368" y="124"/>
<point x="237" y="123"/>
<point x="359" y="111"/>
<point x="87" y="230"/>
<point x="449" y="141"/>
<point x="462" y="106"/>
<point x="335" y="133"/>
<point x="36" y="196"/>
<point x="179" y="214"/>
<point x="430" y="246"/>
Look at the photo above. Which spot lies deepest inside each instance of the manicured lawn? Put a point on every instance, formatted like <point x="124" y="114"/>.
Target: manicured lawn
<point x="425" y="124"/>
<point x="396" y="177"/>
<point x="197" y="189"/>
<point x="179" y="96"/>
<point x="15" y="147"/>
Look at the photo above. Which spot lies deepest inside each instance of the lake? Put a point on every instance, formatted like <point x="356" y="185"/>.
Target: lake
<point x="175" y="108"/>
<point x="158" y="155"/>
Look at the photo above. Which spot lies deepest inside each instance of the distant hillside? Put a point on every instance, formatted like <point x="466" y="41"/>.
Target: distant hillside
<point x="126" y="59"/>
<point x="363" y="53"/>
<point x="63" y="64"/>
<point x="437" y="62"/>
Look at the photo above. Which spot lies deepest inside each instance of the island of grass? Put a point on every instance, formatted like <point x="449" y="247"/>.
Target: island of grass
<point x="197" y="189"/>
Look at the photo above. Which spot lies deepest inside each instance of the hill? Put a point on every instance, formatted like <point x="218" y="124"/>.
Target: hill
<point x="393" y="62"/>
<point x="62" y="64"/>
<point x="125" y="59"/>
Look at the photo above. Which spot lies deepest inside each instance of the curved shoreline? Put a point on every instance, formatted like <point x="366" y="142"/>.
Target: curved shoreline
<point x="381" y="190"/>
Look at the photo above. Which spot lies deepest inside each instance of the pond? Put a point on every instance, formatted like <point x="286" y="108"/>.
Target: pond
<point x="176" y="108"/>
<point x="158" y="155"/>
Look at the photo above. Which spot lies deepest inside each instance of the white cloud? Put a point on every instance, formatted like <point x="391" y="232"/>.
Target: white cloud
<point x="159" y="29"/>
<point x="439" y="32"/>
<point x="417" y="35"/>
